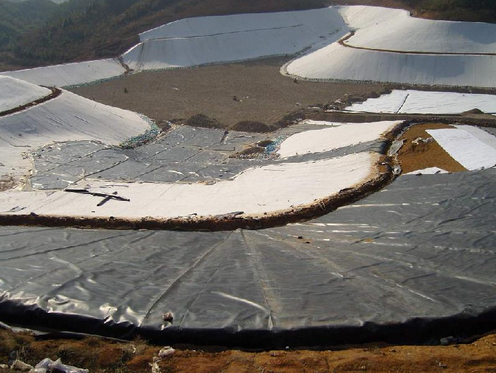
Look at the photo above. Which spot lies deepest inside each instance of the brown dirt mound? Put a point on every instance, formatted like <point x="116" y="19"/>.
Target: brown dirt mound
<point x="6" y="182"/>
<point x="251" y="126"/>
<point x="416" y="154"/>
<point x="201" y="120"/>
<point x="250" y="152"/>
<point x="473" y="111"/>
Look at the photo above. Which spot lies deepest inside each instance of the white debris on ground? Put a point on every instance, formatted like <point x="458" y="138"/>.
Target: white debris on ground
<point x="48" y="365"/>
<point x="21" y="366"/>
<point x="474" y="148"/>
<point x="426" y="102"/>
<point x="66" y="118"/>
<point x="15" y="93"/>
<point x="428" y="171"/>
<point x="70" y="74"/>
<point x="337" y="136"/>
<point x="166" y="352"/>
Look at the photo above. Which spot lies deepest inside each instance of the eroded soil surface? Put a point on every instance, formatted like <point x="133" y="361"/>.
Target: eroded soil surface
<point x="99" y="355"/>
<point x="420" y="151"/>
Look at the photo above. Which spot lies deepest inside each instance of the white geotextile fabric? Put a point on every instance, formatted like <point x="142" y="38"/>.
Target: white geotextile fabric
<point x="394" y="29"/>
<point x="337" y="136"/>
<point x="256" y="191"/>
<point x="466" y="147"/>
<point x="426" y="102"/>
<point x="343" y="63"/>
<point x="204" y="40"/>
<point x="48" y="365"/>
<point x="66" y="118"/>
<point x="69" y="74"/>
<point x="319" y="21"/>
<point x="479" y="134"/>
<point x="170" y="53"/>
<point x="15" y="93"/>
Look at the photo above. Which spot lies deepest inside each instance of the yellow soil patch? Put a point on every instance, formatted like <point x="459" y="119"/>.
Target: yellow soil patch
<point x="417" y="156"/>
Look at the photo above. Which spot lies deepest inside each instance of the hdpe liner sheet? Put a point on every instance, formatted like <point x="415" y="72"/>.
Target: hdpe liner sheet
<point x="184" y="154"/>
<point x="67" y="117"/>
<point x="70" y="74"/>
<point x="413" y="263"/>
<point x="337" y="62"/>
<point x="396" y="30"/>
<point x="472" y="148"/>
<point x="15" y="93"/>
<point x="205" y="40"/>
<point x="425" y="102"/>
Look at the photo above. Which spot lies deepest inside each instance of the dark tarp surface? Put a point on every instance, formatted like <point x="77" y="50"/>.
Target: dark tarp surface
<point x="412" y="263"/>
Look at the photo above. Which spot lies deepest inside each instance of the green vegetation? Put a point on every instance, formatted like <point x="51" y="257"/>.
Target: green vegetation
<point x="106" y="28"/>
<point x="466" y="10"/>
<point x="18" y="18"/>
<point x="29" y="17"/>
<point x="39" y="32"/>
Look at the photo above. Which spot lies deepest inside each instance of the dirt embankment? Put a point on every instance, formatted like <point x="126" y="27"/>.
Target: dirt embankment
<point x="100" y="355"/>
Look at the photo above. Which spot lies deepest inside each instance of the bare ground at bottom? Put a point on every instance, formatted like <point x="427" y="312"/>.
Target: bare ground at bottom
<point x="99" y="355"/>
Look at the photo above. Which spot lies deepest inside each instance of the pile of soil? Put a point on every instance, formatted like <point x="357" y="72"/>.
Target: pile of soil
<point x="252" y="126"/>
<point x="6" y="182"/>
<point x="420" y="151"/>
<point x="201" y="120"/>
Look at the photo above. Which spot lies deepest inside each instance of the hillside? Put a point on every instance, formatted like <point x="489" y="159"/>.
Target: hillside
<point x="454" y="10"/>
<point x="90" y="29"/>
<point x="29" y="16"/>
<point x="109" y="27"/>
<point x="17" y="18"/>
